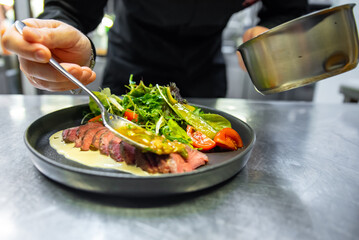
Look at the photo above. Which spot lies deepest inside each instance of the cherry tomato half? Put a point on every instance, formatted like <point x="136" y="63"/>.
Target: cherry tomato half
<point x="96" y="119"/>
<point x="131" y="115"/>
<point x="200" y="140"/>
<point x="228" y="138"/>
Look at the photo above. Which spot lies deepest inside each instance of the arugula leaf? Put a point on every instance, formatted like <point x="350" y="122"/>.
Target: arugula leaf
<point x="139" y="90"/>
<point x="159" y="115"/>
<point x="110" y="101"/>
<point x="148" y="105"/>
<point x="192" y="119"/>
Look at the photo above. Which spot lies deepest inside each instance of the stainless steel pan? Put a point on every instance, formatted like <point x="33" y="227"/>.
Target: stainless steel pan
<point x="302" y="51"/>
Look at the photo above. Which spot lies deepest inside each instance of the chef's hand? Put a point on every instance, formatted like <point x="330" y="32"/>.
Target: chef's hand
<point x="248" y="35"/>
<point x="42" y="39"/>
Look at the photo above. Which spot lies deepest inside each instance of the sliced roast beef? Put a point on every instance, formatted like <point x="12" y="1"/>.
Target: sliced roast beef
<point x="69" y="134"/>
<point x="88" y="137"/>
<point x="195" y="158"/>
<point x="99" y="137"/>
<point x="164" y="165"/>
<point x="114" y="149"/>
<point x="105" y="140"/>
<point x="96" y="138"/>
<point x="134" y="156"/>
<point x="147" y="161"/>
<point x="82" y="129"/>
<point x="172" y="163"/>
<point x="176" y="163"/>
<point x="127" y="152"/>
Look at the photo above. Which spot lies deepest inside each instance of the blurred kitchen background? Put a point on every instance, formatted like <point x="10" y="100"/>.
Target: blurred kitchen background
<point x="331" y="90"/>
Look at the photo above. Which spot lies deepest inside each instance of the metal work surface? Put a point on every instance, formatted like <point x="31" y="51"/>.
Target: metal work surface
<point x="301" y="182"/>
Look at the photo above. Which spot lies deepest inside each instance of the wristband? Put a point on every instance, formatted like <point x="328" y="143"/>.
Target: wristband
<point x="93" y="55"/>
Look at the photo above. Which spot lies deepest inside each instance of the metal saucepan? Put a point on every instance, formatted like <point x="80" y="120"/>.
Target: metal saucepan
<point x="302" y="51"/>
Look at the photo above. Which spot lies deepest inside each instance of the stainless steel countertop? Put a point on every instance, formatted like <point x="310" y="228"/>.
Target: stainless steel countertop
<point x="301" y="182"/>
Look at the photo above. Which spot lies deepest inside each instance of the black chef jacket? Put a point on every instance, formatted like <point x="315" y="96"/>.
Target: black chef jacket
<point x="162" y="41"/>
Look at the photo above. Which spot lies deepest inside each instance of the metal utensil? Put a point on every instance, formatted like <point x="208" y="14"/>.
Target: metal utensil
<point x="111" y="121"/>
<point x="303" y="51"/>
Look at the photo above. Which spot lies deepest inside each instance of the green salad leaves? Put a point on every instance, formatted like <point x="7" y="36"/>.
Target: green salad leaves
<point x="160" y="109"/>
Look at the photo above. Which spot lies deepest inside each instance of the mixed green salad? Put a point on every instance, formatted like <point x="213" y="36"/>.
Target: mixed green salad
<point x="162" y="110"/>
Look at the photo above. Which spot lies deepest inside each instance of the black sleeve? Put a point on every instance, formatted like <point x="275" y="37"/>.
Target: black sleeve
<point x="84" y="15"/>
<point x="275" y="12"/>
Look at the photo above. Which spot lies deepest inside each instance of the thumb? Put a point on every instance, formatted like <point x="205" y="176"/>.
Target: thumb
<point x="66" y="43"/>
<point x="52" y="34"/>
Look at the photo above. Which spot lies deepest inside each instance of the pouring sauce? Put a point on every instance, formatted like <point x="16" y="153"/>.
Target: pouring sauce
<point x="91" y="158"/>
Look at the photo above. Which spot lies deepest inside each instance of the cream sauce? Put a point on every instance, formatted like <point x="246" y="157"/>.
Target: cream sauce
<point x="91" y="158"/>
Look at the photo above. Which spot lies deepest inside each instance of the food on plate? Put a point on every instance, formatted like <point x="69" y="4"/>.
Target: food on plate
<point x="99" y="138"/>
<point x="161" y="110"/>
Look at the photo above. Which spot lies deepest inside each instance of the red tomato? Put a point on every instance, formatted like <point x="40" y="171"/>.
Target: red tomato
<point x="96" y="119"/>
<point x="131" y="115"/>
<point x="229" y="139"/>
<point x="200" y="140"/>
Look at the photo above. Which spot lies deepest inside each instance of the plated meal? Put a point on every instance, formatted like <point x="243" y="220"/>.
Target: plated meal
<point x="191" y="133"/>
<point x="99" y="173"/>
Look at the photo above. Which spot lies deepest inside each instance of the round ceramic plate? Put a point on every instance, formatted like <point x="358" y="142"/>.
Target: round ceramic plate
<point x="221" y="165"/>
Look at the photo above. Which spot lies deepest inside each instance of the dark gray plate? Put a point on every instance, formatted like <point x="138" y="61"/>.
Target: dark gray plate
<point x="221" y="166"/>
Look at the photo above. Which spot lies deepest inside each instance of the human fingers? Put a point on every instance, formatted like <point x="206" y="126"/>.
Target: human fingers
<point x="52" y="86"/>
<point x="253" y="32"/>
<point x="46" y="72"/>
<point x="3" y="28"/>
<point x="65" y="42"/>
<point x="84" y="74"/>
<point x="240" y="61"/>
<point x="13" y="41"/>
<point x="42" y="39"/>
<point x="51" y="79"/>
<point x="248" y="35"/>
<point x="51" y="33"/>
